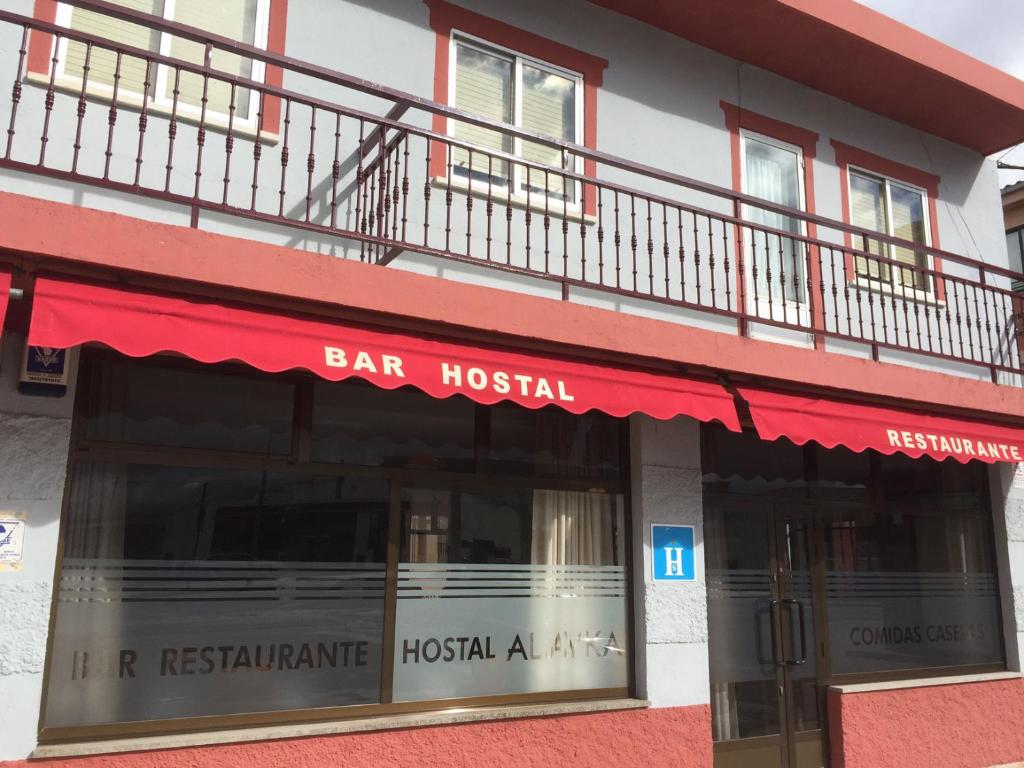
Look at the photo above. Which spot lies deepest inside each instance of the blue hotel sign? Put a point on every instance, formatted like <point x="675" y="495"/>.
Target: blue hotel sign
<point x="672" y="557"/>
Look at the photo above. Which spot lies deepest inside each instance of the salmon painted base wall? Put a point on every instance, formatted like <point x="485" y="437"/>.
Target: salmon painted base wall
<point x="968" y="725"/>
<point x="676" y="737"/>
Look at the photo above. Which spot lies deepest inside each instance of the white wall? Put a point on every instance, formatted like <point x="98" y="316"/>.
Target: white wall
<point x="671" y="618"/>
<point x="34" y="436"/>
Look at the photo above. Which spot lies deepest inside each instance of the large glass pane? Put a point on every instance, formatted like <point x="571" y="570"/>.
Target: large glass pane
<point x="912" y="582"/>
<point x="549" y="108"/>
<point x="773" y="173"/>
<point x="550" y="441"/>
<point x="1015" y="249"/>
<point x="509" y="590"/>
<point x="909" y="224"/>
<point x="154" y="404"/>
<point x="741" y="463"/>
<point x="357" y="423"/>
<point x="867" y="211"/>
<point x="798" y="612"/>
<point x="744" y="692"/>
<point x="188" y="592"/>
<point x="235" y="19"/>
<point x="483" y="86"/>
<point x="103" y="63"/>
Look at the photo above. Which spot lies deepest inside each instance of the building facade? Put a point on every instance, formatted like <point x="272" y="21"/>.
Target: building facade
<point x="412" y="382"/>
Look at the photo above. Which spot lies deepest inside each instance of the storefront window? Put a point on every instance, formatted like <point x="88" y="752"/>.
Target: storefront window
<point x="902" y="570"/>
<point x="530" y="582"/>
<point x="911" y="581"/>
<point x="215" y="582"/>
<point x="187" y="408"/>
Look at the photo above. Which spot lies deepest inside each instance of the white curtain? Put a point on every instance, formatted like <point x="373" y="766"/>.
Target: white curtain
<point x="91" y="585"/>
<point x="771" y="174"/>
<point x="572" y="528"/>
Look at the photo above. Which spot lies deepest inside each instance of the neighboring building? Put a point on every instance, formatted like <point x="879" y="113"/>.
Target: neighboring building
<point x="589" y="383"/>
<point x="1013" y="215"/>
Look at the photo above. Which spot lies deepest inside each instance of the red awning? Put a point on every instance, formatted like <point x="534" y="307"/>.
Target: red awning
<point x="887" y="430"/>
<point x="139" y="323"/>
<point x="5" y="294"/>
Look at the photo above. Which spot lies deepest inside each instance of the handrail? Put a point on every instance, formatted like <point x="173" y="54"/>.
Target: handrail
<point x="392" y="94"/>
<point x="397" y="185"/>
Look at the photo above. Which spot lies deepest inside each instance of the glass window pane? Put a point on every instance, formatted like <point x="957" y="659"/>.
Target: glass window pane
<point x="357" y="423"/>
<point x="912" y="583"/>
<point x="742" y="463"/>
<point x="549" y="108"/>
<point x="743" y="681"/>
<point x="1015" y="249"/>
<point x="235" y="19"/>
<point x="483" y="86"/>
<point x="150" y="403"/>
<point x="550" y="441"/>
<point x="509" y="590"/>
<point x="188" y="592"/>
<point x="102" y="61"/>
<point x="773" y="173"/>
<point x="867" y="211"/>
<point x="909" y="224"/>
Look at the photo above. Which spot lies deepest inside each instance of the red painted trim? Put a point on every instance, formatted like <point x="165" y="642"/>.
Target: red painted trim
<point x="79" y="240"/>
<point x="847" y="155"/>
<point x="445" y="17"/>
<point x="40" y="44"/>
<point x="737" y="118"/>
<point x="276" y="34"/>
<point x="40" y="47"/>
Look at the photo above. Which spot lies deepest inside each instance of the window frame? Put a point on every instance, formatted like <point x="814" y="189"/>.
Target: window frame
<point x="894" y="282"/>
<point x="801" y="305"/>
<point x="516" y="185"/>
<point x="299" y="461"/>
<point x="808" y="493"/>
<point x="157" y="98"/>
<point x="1019" y="232"/>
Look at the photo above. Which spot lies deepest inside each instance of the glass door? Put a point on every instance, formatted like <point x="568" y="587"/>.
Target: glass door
<point x="776" y="264"/>
<point x="766" y="693"/>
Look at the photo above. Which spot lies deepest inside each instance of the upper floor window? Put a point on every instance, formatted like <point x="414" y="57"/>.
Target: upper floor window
<point x="507" y="87"/>
<point x="137" y="80"/>
<point x="1015" y="248"/>
<point x="893" y="208"/>
<point x="774" y="170"/>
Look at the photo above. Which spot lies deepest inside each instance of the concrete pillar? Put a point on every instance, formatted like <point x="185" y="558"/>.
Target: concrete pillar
<point x="1008" y="527"/>
<point x="34" y="437"/>
<point x="671" y="618"/>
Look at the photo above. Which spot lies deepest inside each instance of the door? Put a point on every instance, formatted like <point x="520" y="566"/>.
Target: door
<point x="767" y="696"/>
<point x="776" y="265"/>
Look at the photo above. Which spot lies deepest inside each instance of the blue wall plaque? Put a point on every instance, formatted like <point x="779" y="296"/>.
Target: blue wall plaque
<point x="672" y="557"/>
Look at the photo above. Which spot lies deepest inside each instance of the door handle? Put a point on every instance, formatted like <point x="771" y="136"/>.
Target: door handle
<point x="803" y="631"/>
<point x="772" y="629"/>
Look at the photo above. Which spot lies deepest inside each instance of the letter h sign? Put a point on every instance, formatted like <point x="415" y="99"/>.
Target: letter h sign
<point x="672" y="557"/>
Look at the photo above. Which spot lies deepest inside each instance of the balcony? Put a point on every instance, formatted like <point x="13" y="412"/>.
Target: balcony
<point x="372" y="174"/>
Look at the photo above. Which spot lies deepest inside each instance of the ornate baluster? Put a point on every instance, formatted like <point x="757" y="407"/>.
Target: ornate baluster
<point x="310" y="161"/>
<point x="229" y="144"/>
<point x="49" y="98"/>
<point x="16" y="91"/>
<point x="284" y="156"/>
<point x="81" y="108"/>
<point x="336" y="170"/>
<point x="143" y="122"/>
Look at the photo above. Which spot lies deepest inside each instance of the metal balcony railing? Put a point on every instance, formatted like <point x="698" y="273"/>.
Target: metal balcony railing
<point x="375" y="174"/>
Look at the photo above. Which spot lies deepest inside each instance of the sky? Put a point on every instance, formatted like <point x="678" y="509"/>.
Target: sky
<point x="990" y="30"/>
